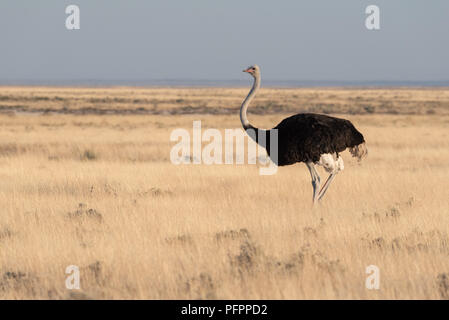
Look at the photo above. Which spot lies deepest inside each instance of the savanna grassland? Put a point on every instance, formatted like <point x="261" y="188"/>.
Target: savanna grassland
<point x="86" y="180"/>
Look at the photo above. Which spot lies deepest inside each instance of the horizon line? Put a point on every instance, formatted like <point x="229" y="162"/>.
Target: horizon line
<point x="219" y="82"/>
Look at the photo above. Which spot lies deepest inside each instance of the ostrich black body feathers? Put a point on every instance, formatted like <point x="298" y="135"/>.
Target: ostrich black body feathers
<point x="305" y="137"/>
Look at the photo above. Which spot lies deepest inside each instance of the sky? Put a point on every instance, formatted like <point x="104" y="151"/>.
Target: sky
<point x="134" y="40"/>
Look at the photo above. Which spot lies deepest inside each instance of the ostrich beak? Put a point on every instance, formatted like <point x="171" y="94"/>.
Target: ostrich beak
<point x="246" y="70"/>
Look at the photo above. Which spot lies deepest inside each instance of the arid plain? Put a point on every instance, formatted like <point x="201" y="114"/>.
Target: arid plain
<point x="86" y="180"/>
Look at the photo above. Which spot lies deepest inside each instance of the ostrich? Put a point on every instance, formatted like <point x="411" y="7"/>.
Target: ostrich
<point x="314" y="139"/>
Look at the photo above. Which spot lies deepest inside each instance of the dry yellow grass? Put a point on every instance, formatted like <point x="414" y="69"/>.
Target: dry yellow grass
<point x="149" y="229"/>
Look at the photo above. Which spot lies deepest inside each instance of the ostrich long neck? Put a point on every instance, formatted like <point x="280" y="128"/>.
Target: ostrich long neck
<point x="243" y="118"/>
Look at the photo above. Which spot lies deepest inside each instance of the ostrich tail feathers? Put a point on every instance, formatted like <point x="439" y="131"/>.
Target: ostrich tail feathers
<point x="359" y="151"/>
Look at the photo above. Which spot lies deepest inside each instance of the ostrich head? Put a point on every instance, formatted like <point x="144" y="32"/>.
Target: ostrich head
<point x="253" y="70"/>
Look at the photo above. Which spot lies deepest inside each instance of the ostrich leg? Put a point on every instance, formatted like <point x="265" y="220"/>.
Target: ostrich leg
<point x="326" y="185"/>
<point x="315" y="180"/>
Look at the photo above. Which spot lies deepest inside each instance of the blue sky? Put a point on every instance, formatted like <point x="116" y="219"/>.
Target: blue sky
<point x="203" y="39"/>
